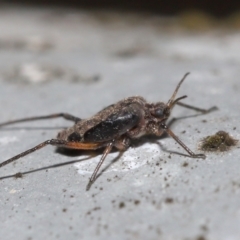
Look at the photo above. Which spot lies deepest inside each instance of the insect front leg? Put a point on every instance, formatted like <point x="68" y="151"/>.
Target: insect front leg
<point x="56" y="115"/>
<point x="191" y="153"/>
<point x="204" y="111"/>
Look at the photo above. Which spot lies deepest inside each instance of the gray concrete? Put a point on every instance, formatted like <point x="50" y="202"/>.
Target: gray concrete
<point x="78" y="62"/>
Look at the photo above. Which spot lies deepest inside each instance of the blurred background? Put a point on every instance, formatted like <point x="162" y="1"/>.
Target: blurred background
<point x="171" y="7"/>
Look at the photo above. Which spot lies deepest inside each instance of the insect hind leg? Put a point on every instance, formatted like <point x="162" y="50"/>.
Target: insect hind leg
<point x="54" y="142"/>
<point x="57" y="143"/>
<point x="56" y="115"/>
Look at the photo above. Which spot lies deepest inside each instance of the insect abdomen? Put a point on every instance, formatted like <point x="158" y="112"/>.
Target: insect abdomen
<point x="114" y="126"/>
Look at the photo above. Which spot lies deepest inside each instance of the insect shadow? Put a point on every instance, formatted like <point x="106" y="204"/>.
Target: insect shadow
<point x="114" y="126"/>
<point x="68" y="153"/>
<point x="48" y="167"/>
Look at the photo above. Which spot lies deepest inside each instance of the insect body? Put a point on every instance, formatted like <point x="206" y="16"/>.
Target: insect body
<point x="114" y="126"/>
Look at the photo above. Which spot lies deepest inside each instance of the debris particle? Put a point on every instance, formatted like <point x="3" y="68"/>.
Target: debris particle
<point x="121" y="205"/>
<point x="136" y="202"/>
<point x="221" y="141"/>
<point x="169" y="200"/>
<point x="18" y="175"/>
<point x="185" y="164"/>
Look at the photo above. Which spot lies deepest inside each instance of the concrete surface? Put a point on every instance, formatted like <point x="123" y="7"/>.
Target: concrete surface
<point x="55" y="60"/>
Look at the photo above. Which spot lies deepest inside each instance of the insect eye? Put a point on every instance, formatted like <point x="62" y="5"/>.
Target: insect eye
<point x="158" y="113"/>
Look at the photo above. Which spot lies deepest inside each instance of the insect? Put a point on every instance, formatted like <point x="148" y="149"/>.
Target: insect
<point x="114" y="126"/>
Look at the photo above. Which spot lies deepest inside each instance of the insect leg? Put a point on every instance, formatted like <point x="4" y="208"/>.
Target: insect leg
<point x="105" y="153"/>
<point x="56" y="115"/>
<point x="191" y="153"/>
<point x="197" y="109"/>
<point x="54" y="142"/>
<point x="39" y="146"/>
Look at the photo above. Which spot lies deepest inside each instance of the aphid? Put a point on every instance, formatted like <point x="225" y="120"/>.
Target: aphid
<point x="114" y="126"/>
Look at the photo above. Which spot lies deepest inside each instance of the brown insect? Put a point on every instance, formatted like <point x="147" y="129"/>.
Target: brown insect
<point x="114" y="126"/>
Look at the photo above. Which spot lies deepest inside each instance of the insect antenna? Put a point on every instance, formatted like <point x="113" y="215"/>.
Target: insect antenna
<point x="172" y="101"/>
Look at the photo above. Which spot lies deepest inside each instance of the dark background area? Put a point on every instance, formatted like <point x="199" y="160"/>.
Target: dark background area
<point x="167" y="7"/>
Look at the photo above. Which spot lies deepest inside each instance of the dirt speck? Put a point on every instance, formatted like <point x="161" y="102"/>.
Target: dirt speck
<point x="18" y="175"/>
<point x="185" y="164"/>
<point x="121" y="205"/>
<point x="136" y="202"/>
<point x="201" y="238"/>
<point x="169" y="200"/>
